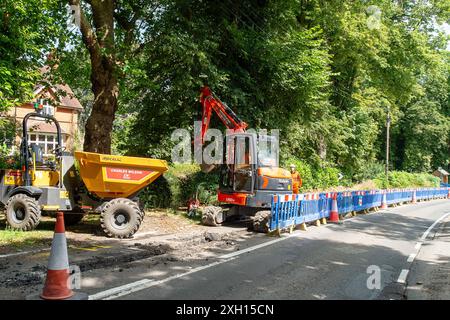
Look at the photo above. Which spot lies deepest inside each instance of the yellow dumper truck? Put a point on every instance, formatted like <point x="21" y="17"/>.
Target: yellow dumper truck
<point x="106" y="184"/>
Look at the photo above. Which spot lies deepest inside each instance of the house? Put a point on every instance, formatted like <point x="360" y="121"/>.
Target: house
<point x="57" y="100"/>
<point x="441" y="174"/>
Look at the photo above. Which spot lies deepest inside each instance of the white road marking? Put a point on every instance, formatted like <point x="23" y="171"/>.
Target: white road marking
<point x="425" y="234"/>
<point x="117" y="290"/>
<point x="402" y="276"/>
<point x="418" y="245"/>
<point x="411" y="257"/>
<point x="262" y="245"/>
<point x="146" y="283"/>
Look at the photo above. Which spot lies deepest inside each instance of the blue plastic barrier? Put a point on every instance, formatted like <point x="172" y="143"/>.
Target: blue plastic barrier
<point x="344" y="202"/>
<point x="289" y="210"/>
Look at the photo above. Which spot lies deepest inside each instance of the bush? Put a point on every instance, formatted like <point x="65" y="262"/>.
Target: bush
<point x="402" y="179"/>
<point x="181" y="183"/>
<point x="315" y="178"/>
<point x="305" y="171"/>
<point x="370" y="171"/>
<point x="327" y="177"/>
<point x="8" y="161"/>
<point x="156" y="195"/>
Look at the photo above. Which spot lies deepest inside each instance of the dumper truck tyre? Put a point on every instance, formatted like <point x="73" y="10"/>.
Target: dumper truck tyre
<point x="121" y="218"/>
<point x="261" y="221"/>
<point x="23" y="212"/>
<point x="212" y="216"/>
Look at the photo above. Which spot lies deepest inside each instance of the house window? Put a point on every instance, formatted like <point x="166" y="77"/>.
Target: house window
<point x="47" y="141"/>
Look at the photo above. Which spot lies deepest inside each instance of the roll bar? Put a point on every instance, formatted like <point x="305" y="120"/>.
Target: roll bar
<point x="25" y="151"/>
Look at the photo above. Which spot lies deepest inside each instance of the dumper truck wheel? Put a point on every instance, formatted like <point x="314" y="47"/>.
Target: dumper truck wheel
<point x="121" y="218"/>
<point x="23" y="212"/>
<point x="212" y="216"/>
<point x="261" y="221"/>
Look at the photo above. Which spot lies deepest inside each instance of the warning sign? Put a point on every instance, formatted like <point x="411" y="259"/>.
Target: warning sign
<point x="126" y="174"/>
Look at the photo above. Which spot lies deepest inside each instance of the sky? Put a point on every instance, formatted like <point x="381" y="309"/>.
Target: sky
<point x="446" y="28"/>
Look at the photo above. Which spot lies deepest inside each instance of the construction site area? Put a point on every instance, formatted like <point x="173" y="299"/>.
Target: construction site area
<point x="232" y="150"/>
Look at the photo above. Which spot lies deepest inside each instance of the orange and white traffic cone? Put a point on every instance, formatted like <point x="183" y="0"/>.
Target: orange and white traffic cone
<point x="334" y="214"/>
<point x="384" y="201"/>
<point x="57" y="282"/>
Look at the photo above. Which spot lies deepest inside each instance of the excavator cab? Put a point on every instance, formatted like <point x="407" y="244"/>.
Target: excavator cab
<point x="250" y="174"/>
<point x="238" y="172"/>
<point x="245" y="153"/>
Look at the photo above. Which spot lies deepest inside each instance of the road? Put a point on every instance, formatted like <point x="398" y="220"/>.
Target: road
<point x="391" y="254"/>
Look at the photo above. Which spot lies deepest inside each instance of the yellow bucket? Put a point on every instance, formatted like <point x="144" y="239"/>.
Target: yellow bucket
<point x="110" y="176"/>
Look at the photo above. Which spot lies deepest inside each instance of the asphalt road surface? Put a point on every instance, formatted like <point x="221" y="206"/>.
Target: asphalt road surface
<point x="372" y="256"/>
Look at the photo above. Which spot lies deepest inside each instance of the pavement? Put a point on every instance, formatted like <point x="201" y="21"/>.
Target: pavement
<point x="399" y="253"/>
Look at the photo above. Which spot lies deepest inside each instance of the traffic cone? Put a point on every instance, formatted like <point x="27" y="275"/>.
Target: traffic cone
<point x="384" y="201"/>
<point x="334" y="214"/>
<point x="414" y="197"/>
<point x="57" y="282"/>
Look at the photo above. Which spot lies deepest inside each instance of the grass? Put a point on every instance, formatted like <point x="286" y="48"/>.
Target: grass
<point x="20" y="239"/>
<point x="11" y="240"/>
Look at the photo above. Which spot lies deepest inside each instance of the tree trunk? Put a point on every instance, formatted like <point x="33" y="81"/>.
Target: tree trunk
<point x="101" y="46"/>
<point x="99" y="125"/>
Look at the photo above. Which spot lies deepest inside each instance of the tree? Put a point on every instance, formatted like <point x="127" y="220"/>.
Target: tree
<point x="322" y="71"/>
<point x="110" y="31"/>
<point x="254" y="56"/>
<point x="28" y="31"/>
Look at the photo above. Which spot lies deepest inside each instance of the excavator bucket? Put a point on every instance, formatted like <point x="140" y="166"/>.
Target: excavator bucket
<point x="110" y="176"/>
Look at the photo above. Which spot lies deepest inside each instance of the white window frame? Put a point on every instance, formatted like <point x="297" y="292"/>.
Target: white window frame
<point x="46" y="141"/>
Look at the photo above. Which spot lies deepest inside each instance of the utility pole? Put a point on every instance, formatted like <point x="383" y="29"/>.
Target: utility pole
<point x="388" y="125"/>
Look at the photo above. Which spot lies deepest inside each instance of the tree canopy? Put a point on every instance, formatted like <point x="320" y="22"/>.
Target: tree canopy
<point x="323" y="72"/>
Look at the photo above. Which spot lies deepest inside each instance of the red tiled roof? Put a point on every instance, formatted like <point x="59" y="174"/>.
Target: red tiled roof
<point x="61" y="92"/>
<point x="68" y="100"/>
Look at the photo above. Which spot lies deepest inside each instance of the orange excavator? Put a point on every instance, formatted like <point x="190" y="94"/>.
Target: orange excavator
<point x="249" y="174"/>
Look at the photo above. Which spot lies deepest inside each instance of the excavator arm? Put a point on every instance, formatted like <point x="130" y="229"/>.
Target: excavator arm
<point x="211" y="103"/>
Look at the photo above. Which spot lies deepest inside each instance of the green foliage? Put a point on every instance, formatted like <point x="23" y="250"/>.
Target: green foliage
<point x="8" y="160"/>
<point x="319" y="74"/>
<point x="7" y="136"/>
<point x="181" y="183"/>
<point x="370" y="171"/>
<point x="305" y="171"/>
<point x="401" y="179"/>
<point x="313" y="177"/>
<point x="327" y="177"/>
<point x="320" y="71"/>
<point x="29" y="29"/>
